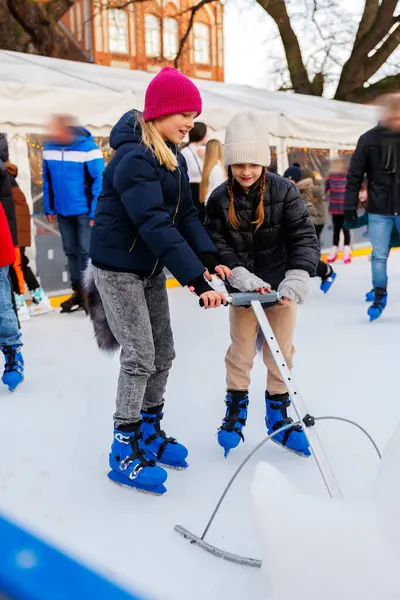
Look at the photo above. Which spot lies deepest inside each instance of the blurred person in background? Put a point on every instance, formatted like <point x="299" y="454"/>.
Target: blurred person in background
<point x="335" y="187"/>
<point x="194" y="153"/>
<point x="214" y="172"/>
<point x="10" y="335"/>
<point x="312" y="195"/>
<point x="73" y="167"/>
<point x="377" y="157"/>
<point x="20" y="271"/>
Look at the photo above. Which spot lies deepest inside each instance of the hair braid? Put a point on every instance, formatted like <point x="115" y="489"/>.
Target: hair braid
<point x="260" y="215"/>
<point x="233" y="220"/>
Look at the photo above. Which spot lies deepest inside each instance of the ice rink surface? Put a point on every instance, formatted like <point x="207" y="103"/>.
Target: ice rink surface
<point x="55" y="433"/>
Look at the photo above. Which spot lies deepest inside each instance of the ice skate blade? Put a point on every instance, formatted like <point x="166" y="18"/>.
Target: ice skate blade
<point x="124" y="482"/>
<point x="181" y="467"/>
<point x="235" y="558"/>
<point x="290" y="450"/>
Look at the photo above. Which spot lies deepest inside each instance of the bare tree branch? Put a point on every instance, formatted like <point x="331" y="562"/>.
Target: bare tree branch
<point x="386" y="85"/>
<point x="278" y="11"/>
<point x="193" y="10"/>
<point x="55" y="9"/>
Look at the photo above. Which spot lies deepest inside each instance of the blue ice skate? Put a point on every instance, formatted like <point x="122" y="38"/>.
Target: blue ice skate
<point x="14" y="367"/>
<point x="327" y="282"/>
<point x="370" y="296"/>
<point x="131" y="467"/>
<point x="162" y="449"/>
<point x="376" y="309"/>
<point x="230" y="432"/>
<point x="294" y="438"/>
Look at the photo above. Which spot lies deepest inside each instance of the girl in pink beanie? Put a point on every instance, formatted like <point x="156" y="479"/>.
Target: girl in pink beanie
<point x="145" y="221"/>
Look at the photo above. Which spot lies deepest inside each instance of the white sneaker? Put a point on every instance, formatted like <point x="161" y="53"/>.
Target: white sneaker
<point x="22" y="309"/>
<point x="40" y="304"/>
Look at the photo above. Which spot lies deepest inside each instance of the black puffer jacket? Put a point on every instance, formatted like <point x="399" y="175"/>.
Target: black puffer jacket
<point x="376" y="157"/>
<point x="286" y="240"/>
<point x="6" y="197"/>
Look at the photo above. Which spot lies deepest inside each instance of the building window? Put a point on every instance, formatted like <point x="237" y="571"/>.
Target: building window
<point x="170" y="38"/>
<point x="153" y="36"/>
<point x="202" y="44"/>
<point x="118" y="31"/>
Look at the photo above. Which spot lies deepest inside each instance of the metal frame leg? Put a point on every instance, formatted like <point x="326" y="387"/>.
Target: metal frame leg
<point x="298" y="404"/>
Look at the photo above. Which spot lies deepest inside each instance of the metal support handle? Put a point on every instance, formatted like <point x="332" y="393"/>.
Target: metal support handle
<point x="299" y="405"/>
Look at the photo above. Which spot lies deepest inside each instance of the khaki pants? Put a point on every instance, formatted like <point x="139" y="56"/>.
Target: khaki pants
<point x="240" y="356"/>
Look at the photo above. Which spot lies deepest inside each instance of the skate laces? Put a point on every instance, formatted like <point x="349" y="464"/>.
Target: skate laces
<point x="137" y="454"/>
<point x="12" y="364"/>
<point x="281" y="406"/>
<point x="233" y="416"/>
<point x="158" y="433"/>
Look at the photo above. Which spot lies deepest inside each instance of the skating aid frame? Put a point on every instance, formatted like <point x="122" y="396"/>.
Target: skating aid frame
<point x="304" y="420"/>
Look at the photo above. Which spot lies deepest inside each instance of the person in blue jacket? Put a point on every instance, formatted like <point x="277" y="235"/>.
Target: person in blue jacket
<point x="145" y="220"/>
<point x="73" y="167"/>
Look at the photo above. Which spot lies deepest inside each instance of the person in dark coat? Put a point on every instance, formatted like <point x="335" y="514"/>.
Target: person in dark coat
<point x="6" y="197"/>
<point x="377" y="157"/>
<point x="144" y="221"/>
<point x="262" y="231"/>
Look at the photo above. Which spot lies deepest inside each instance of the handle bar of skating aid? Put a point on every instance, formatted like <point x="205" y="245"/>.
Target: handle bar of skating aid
<point x="246" y="298"/>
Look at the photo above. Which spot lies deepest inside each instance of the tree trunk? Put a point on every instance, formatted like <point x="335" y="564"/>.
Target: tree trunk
<point x="298" y="72"/>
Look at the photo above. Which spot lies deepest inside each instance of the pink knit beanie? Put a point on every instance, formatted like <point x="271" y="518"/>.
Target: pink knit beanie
<point x="170" y="93"/>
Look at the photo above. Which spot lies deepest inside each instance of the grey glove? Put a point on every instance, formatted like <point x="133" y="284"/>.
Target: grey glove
<point x="295" y="285"/>
<point x="244" y="281"/>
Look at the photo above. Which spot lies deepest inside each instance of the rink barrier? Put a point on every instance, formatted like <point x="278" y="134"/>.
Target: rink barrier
<point x="32" y="569"/>
<point x="173" y="283"/>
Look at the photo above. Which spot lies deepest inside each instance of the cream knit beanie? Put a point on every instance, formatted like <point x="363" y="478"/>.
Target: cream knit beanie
<point x="247" y="140"/>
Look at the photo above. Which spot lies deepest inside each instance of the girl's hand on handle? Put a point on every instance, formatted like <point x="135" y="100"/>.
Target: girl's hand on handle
<point x="264" y="290"/>
<point x="223" y="271"/>
<point x="213" y="299"/>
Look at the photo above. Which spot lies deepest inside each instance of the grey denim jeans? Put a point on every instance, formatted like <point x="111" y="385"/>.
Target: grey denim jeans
<point x="137" y="312"/>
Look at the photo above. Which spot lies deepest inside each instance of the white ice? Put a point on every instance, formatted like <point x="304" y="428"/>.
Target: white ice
<point x="55" y="433"/>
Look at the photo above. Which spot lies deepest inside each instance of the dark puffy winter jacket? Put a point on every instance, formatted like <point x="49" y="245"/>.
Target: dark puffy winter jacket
<point x="376" y="157"/>
<point x="145" y="219"/>
<point x="286" y="240"/>
<point x="6" y="197"/>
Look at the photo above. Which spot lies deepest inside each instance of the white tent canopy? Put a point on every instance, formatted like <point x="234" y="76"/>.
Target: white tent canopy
<point x="33" y="87"/>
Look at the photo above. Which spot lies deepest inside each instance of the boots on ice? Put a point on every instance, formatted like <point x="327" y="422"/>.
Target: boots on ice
<point x="376" y="309"/>
<point x="327" y="279"/>
<point x="230" y="432"/>
<point x="40" y="304"/>
<point x="294" y="438"/>
<point x="13" y="374"/>
<point x="162" y="449"/>
<point x="75" y="302"/>
<point x="131" y="466"/>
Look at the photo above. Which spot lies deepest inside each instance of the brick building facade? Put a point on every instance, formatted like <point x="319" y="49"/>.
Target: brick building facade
<point x="146" y="35"/>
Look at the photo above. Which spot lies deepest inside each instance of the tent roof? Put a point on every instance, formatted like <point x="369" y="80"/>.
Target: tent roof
<point x="35" y="86"/>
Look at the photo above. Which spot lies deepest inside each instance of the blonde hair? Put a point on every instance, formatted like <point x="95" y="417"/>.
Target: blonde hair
<point x="214" y="155"/>
<point x="153" y="140"/>
<point x="260" y="213"/>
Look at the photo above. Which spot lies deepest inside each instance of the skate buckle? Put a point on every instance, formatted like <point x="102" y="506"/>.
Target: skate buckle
<point x="124" y="464"/>
<point x="309" y="420"/>
<point x="135" y="472"/>
<point x="122" y="438"/>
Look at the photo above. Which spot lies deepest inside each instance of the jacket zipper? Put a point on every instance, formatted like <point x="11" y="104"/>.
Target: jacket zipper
<point x="174" y="217"/>
<point x="134" y="243"/>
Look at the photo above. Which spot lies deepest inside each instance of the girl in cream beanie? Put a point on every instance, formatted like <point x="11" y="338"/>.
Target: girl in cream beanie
<point x="262" y="231"/>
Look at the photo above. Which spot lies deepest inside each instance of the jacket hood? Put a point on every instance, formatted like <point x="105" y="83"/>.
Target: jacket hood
<point x="126" y="131"/>
<point x="3" y="148"/>
<point x="305" y="184"/>
<point x="12" y="169"/>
